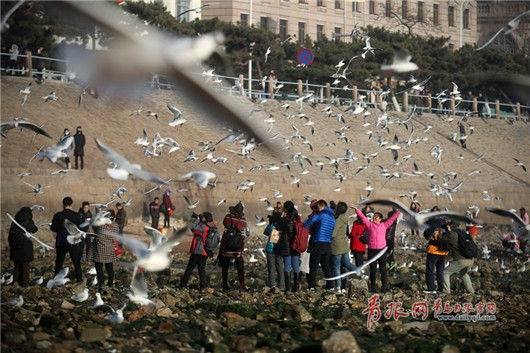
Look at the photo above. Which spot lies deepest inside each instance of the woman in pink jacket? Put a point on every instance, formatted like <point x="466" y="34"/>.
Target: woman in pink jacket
<point x="376" y="242"/>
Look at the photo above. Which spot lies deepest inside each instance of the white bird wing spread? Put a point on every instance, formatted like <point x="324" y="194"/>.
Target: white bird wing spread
<point x="358" y="270"/>
<point x="28" y="234"/>
<point x="62" y="273"/>
<point x="175" y="238"/>
<point x="387" y="202"/>
<point x="156" y="237"/>
<point x="138" y="285"/>
<point x="506" y="213"/>
<point x="491" y="39"/>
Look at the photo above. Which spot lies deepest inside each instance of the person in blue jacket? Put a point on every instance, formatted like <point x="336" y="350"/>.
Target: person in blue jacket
<point x="320" y="247"/>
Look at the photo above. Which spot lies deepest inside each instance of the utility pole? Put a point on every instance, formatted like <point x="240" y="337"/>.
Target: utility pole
<point x="250" y="58"/>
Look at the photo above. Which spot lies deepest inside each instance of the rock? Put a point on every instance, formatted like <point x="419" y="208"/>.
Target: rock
<point x="343" y="312"/>
<point x="67" y="305"/>
<point x="421" y="325"/>
<point x="166" y="327"/>
<point x="68" y="334"/>
<point x="43" y="344"/>
<point x="34" y="292"/>
<point x="437" y="328"/>
<point x="301" y="314"/>
<point x="232" y="319"/>
<point x="447" y="348"/>
<point x="94" y="334"/>
<point x="13" y="337"/>
<point x="171" y="300"/>
<point x="164" y="312"/>
<point x="41" y="336"/>
<point x="339" y="342"/>
<point x="221" y="348"/>
<point x="394" y="326"/>
<point x="212" y="330"/>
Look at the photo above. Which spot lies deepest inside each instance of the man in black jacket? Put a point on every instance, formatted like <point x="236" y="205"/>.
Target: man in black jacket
<point x="154" y="210"/>
<point x="85" y="216"/>
<point x="79" y="149"/>
<point x="62" y="245"/>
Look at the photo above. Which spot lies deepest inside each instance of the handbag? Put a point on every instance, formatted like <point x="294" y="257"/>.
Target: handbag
<point x="364" y="238"/>
<point x="269" y="229"/>
<point x="117" y="248"/>
<point x="275" y="236"/>
<point x="162" y="208"/>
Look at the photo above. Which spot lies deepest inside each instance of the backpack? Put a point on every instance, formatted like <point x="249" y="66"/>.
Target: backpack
<point x="300" y="236"/>
<point x="212" y="239"/>
<point x="466" y="245"/>
<point x="233" y="239"/>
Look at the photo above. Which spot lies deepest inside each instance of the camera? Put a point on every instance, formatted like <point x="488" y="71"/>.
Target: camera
<point x="194" y="215"/>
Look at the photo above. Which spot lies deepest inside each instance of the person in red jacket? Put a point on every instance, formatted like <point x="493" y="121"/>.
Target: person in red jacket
<point x="199" y="254"/>
<point x="357" y="247"/>
<point x="168" y="208"/>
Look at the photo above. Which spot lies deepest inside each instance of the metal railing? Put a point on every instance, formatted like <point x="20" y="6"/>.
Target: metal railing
<point x="57" y="69"/>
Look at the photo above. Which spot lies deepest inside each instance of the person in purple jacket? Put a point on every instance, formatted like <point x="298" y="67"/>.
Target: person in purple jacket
<point x="376" y="242"/>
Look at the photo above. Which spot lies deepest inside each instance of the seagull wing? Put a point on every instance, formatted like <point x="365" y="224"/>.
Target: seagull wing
<point x="387" y="202"/>
<point x="138" y="285"/>
<point x="491" y="39"/>
<point x="156" y="237"/>
<point x="34" y="128"/>
<point x="506" y="213"/>
<point x="171" y="242"/>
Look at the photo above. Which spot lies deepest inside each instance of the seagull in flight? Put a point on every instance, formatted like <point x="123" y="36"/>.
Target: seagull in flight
<point x="358" y="270"/>
<point x="28" y="234"/>
<point x="519" y="164"/>
<point x="401" y="62"/>
<point x="124" y="167"/>
<point x="139" y="289"/>
<point x="54" y="152"/>
<point x="196" y="9"/>
<point x="201" y="177"/>
<point x="416" y="221"/>
<point x="507" y="29"/>
<point x="522" y="229"/>
<point x="22" y="124"/>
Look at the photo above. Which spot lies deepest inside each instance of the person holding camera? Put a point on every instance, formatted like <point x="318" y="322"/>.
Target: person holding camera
<point x="436" y="253"/>
<point x="200" y="226"/>
<point x="233" y="243"/>
<point x="460" y="263"/>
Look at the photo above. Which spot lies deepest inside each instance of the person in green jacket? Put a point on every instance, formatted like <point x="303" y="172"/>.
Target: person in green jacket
<point x="340" y="246"/>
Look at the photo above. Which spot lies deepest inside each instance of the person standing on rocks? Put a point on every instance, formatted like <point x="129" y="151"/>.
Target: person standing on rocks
<point x="376" y="242"/>
<point x="167" y="208"/>
<point x="62" y="245"/>
<point x="340" y="247"/>
<point x="154" y="211"/>
<point x="390" y="242"/>
<point x="356" y="245"/>
<point x="291" y="258"/>
<point x="79" y="148"/>
<point x="103" y="252"/>
<point x="235" y="227"/>
<point x="20" y="246"/>
<point x="436" y="255"/>
<point x="121" y="217"/>
<point x="199" y="255"/>
<point x="85" y="216"/>
<point x="460" y="264"/>
<point x="324" y="222"/>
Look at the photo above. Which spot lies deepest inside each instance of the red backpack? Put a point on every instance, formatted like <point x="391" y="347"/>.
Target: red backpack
<point x="301" y="236"/>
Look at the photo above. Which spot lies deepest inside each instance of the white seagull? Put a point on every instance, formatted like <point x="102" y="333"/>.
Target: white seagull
<point x="358" y="270"/>
<point x="201" y="177"/>
<point x="81" y="296"/>
<point x="28" y="234"/>
<point x="401" y="61"/>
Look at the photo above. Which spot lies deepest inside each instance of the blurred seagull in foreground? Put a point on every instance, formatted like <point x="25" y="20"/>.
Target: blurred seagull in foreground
<point x="201" y="177"/>
<point x="358" y="270"/>
<point x="28" y="234"/>
<point x="139" y="289"/>
<point x="522" y="230"/>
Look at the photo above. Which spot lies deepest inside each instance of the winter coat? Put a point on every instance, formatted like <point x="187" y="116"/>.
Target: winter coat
<point x="20" y="246"/>
<point x="324" y="222"/>
<point x="84" y="217"/>
<point x="166" y="200"/>
<point x="435" y="243"/>
<point x="154" y="210"/>
<point x="450" y="241"/>
<point x="377" y="231"/>
<point x="339" y="241"/>
<point x="240" y="223"/>
<point x="391" y="231"/>
<point x="58" y="225"/>
<point x="286" y="228"/>
<point x="68" y="150"/>
<point x="103" y="246"/>
<point x="357" y="231"/>
<point x="200" y="233"/>
<point x="79" y="141"/>
<point x="121" y="218"/>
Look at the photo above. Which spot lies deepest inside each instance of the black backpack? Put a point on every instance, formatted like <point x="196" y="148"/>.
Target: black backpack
<point x="233" y="238"/>
<point x="212" y="239"/>
<point x="466" y="245"/>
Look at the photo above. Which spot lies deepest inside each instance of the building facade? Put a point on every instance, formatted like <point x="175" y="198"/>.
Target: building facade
<point x="176" y="7"/>
<point x="317" y="18"/>
<point x="493" y="15"/>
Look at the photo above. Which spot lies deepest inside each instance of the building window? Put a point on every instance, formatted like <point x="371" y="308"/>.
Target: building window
<point x="320" y="32"/>
<point x="388" y="8"/>
<point x="264" y="22"/>
<point x="420" y="11"/>
<point x="338" y="30"/>
<point x="301" y="32"/>
<point x="283" y="29"/>
<point x="466" y="19"/>
<point x="484" y="9"/>
<point x="451" y="16"/>
<point x="355" y="7"/>
<point x="404" y="9"/>
<point x="244" y="19"/>
<point x="436" y="14"/>
<point x="371" y="7"/>
<point x="338" y="4"/>
<point x="320" y="3"/>
<point x="302" y="2"/>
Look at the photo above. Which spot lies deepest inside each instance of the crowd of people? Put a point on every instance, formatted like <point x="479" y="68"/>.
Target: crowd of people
<point x="293" y="247"/>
